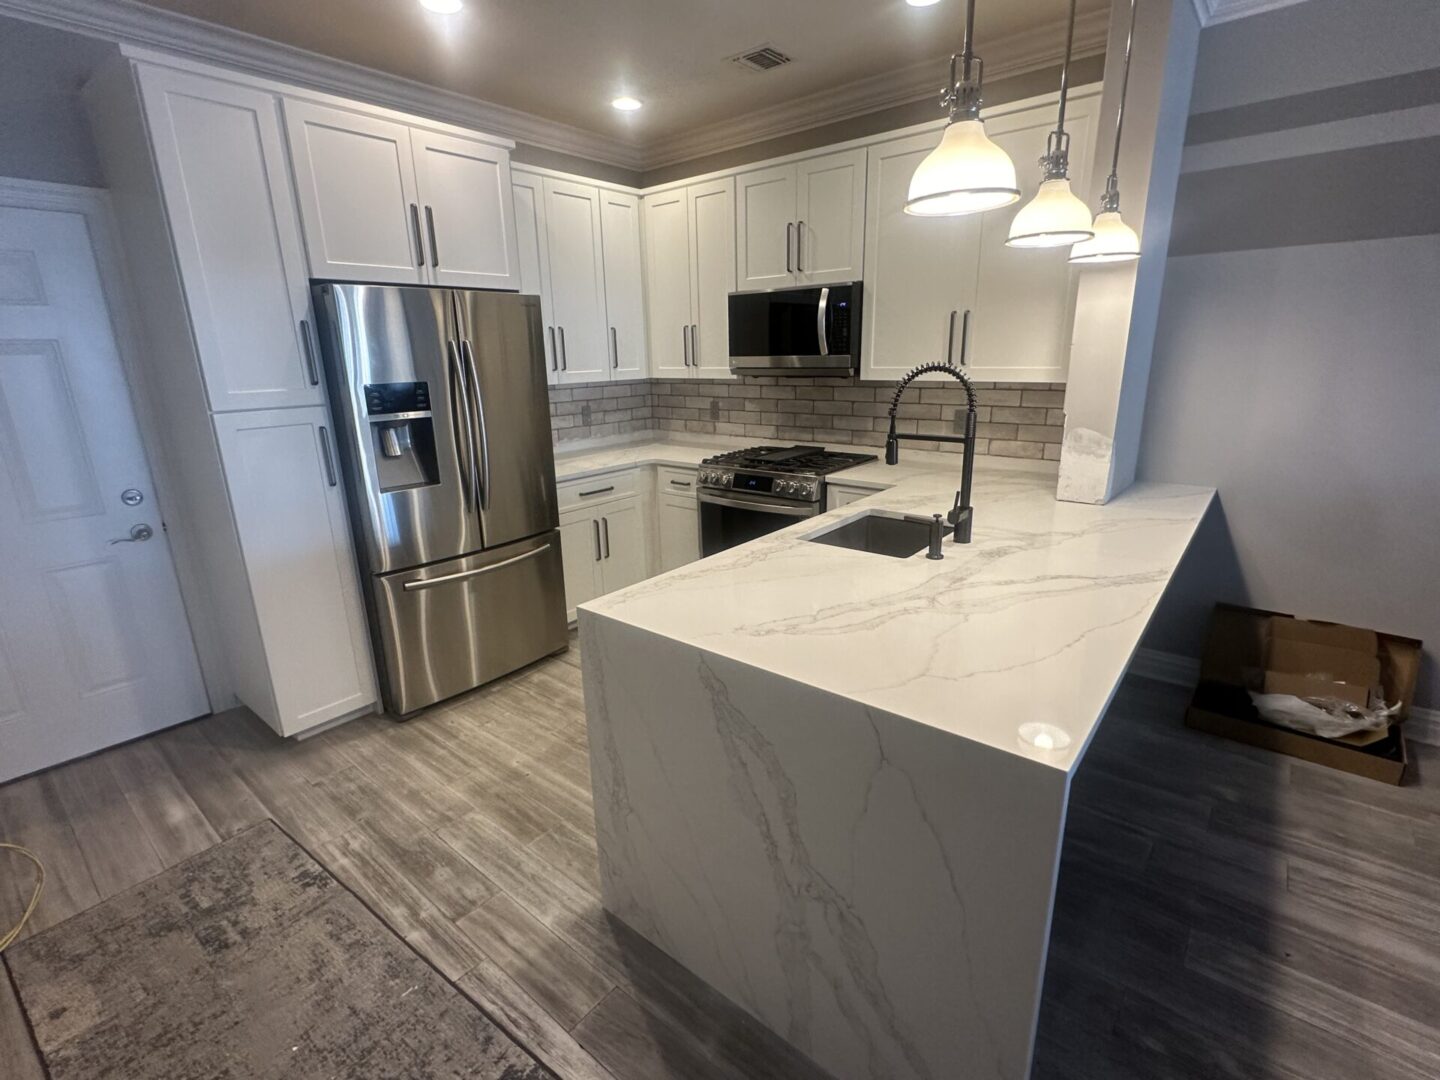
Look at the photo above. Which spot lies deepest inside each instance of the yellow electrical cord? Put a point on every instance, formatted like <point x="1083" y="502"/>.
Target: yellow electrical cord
<point x="9" y="938"/>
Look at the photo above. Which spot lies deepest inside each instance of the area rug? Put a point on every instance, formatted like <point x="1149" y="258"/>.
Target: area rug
<point x="248" y="961"/>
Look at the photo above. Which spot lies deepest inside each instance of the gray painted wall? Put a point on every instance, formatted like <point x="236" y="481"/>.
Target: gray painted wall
<point x="43" y="133"/>
<point x="1297" y="361"/>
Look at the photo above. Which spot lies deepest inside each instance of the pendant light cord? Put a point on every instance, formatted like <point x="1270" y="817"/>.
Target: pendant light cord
<point x="1065" y="69"/>
<point x="1112" y="183"/>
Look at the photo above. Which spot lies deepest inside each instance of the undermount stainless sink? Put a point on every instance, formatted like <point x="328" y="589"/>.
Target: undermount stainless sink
<point x="881" y="532"/>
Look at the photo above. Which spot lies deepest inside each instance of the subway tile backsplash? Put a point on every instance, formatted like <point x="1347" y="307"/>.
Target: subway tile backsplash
<point x="1021" y="420"/>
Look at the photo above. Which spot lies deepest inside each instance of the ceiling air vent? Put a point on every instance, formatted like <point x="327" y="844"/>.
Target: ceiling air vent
<point x="761" y="58"/>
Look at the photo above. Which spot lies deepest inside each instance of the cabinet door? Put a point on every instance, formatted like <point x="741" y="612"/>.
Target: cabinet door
<point x="919" y="271"/>
<point x="624" y="284"/>
<point x="679" y="529"/>
<point x="712" y="246"/>
<point x="622" y="542"/>
<point x="765" y="228"/>
<point x="528" y="193"/>
<point x="580" y="557"/>
<point x="355" y="178"/>
<point x="577" y="274"/>
<point x="836" y="496"/>
<point x="289" y="512"/>
<point x="667" y="274"/>
<point x="1024" y="308"/>
<point x="221" y="161"/>
<point x="465" y="205"/>
<point x="830" y="218"/>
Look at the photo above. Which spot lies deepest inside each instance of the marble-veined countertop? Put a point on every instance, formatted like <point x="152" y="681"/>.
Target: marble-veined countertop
<point x="1035" y="620"/>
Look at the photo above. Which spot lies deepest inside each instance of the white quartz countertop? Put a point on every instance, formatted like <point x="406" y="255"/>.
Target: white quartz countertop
<point x="1034" y="621"/>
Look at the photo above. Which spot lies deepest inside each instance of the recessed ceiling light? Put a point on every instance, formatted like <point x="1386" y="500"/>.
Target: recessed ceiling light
<point x="627" y="104"/>
<point x="442" y="7"/>
<point x="922" y="3"/>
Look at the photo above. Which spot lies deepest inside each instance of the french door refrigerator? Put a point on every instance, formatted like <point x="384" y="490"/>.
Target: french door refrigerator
<point x="444" y="420"/>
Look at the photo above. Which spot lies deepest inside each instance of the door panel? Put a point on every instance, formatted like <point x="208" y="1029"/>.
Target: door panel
<point x="95" y="647"/>
<point x="221" y="161"/>
<point x="355" y="177"/>
<point x="580" y="550"/>
<point x="534" y="256"/>
<point x="622" y="541"/>
<point x="712" y="240"/>
<point x="468" y="217"/>
<point x="679" y="531"/>
<point x="765" y="225"/>
<point x="577" y="279"/>
<point x="668" y="293"/>
<point x="830" y="218"/>
<point x="516" y="456"/>
<point x="919" y="272"/>
<point x="624" y="286"/>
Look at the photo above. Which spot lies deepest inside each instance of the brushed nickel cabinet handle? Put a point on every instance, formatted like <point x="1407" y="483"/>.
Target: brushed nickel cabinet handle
<point x="596" y="523"/>
<point x="950" y="341"/>
<point x="605" y="530"/>
<point x="596" y="491"/>
<point x="430" y="231"/>
<point x="789" y="244"/>
<point x="965" y="340"/>
<point x="554" y="355"/>
<point x="419" y="240"/>
<point x="800" y="246"/>
<point x="325" y="453"/>
<point x="311" y="370"/>
<point x="614" y="349"/>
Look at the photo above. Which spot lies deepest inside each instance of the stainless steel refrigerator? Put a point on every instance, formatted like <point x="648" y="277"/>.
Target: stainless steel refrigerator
<point x="440" y="399"/>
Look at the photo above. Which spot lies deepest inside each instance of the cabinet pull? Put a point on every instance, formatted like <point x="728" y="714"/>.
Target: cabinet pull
<point x="554" y="356"/>
<point x="694" y="346"/>
<point x="614" y="349"/>
<point x="605" y="529"/>
<point x="800" y="247"/>
<point x="325" y="453"/>
<point x="564" y="365"/>
<point x="419" y="240"/>
<point x="965" y="340"/>
<point x="596" y="523"/>
<point x="596" y="491"/>
<point x="430" y="231"/>
<point x="950" y="341"/>
<point x="311" y="371"/>
<point x="685" y="343"/>
<point x="789" y="245"/>
<point x="680" y="483"/>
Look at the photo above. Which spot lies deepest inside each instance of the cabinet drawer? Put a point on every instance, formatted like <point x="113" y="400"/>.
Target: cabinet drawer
<point x="596" y="489"/>
<point x="672" y="480"/>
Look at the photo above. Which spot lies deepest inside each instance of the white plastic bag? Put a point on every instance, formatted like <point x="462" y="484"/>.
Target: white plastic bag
<point x="1328" y="717"/>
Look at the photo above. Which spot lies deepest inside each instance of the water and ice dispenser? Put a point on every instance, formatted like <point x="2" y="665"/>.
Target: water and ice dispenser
<point x="402" y="435"/>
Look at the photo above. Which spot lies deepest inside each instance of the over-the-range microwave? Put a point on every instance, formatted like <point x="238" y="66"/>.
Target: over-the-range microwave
<point x="810" y="330"/>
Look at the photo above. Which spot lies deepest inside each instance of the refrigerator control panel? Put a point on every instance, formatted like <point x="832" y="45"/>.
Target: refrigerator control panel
<point x="397" y="397"/>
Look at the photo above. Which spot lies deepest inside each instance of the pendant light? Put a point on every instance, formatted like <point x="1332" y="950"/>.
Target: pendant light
<point x="1056" y="216"/>
<point x="966" y="173"/>
<point x="1114" y="241"/>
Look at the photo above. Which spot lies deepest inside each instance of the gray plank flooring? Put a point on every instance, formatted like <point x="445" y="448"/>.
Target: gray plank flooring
<point x="1222" y="912"/>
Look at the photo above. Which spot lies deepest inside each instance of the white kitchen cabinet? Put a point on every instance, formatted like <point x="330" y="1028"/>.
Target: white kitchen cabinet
<point x="533" y="256"/>
<point x="920" y="272"/>
<point x="580" y="557"/>
<point x="383" y="201"/>
<point x="220" y="158"/>
<point x="622" y="540"/>
<point x="289" y="513"/>
<point x="678" y="528"/>
<point x="667" y="281"/>
<point x="602" y="535"/>
<point x="577" y="280"/>
<point x="838" y="495"/>
<point x="690" y="270"/>
<point x="624" y="283"/>
<point x="802" y="223"/>
<point x="464" y="188"/>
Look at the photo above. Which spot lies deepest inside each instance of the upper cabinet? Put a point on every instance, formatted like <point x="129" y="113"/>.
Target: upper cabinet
<point x="624" y="283"/>
<point x="532" y="251"/>
<point x="577" y="280"/>
<point x="690" y="272"/>
<point x="220" y="159"/>
<point x="802" y="223"/>
<point x="667" y="281"/>
<point x="382" y="201"/>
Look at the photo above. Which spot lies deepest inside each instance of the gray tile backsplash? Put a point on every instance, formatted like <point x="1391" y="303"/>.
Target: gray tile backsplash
<point x="1024" y="420"/>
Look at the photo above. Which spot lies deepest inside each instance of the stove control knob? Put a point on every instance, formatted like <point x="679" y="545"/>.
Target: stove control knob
<point x="727" y="478"/>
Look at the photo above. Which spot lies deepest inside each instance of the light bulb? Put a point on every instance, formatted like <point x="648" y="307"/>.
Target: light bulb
<point x="922" y="3"/>
<point x="965" y="174"/>
<point x="1055" y="217"/>
<point x="442" y="7"/>
<point x="626" y="104"/>
<point x="1113" y="242"/>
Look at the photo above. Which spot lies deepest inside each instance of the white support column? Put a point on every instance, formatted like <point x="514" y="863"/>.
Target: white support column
<point x="1116" y="306"/>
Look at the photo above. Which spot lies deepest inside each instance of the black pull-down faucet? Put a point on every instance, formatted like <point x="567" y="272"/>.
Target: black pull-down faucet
<point x="961" y="516"/>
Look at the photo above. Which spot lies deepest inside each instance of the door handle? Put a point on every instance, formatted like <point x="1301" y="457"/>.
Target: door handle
<point x="950" y="341"/>
<point x="680" y="483"/>
<point x="596" y="491"/>
<point x="685" y="343"/>
<point x="484" y="477"/>
<point x="460" y="421"/>
<point x="554" y="356"/>
<point x="789" y="243"/>
<point x="138" y="535"/>
<point x="330" y="476"/>
<point x="694" y="346"/>
<point x="430" y="231"/>
<point x="800" y="247"/>
<point x="463" y="575"/>
<point x="614" y="349"/>
<point x="965" y="340"/>
<point x="564" y="359"/>
<point x="311" y="371"/>
<point x="605" y="530"/>
<point x="821" y="329"/>
<point x="419" y="240"/>
<point x="596" y="523"/>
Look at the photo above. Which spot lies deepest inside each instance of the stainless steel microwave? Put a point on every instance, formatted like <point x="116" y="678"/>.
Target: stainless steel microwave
<point x="812" y="330"/>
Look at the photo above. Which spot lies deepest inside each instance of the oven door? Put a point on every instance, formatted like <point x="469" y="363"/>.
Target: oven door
<point x="729" y="518"/>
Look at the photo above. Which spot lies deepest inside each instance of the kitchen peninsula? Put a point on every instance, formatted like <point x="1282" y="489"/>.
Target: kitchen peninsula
<point x="819" y="780"/>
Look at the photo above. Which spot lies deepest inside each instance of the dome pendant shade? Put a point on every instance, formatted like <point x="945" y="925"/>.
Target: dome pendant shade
<point x="965" y="174"/>
<point x="1054" y="218"/>
<point x="1114" y="241"/>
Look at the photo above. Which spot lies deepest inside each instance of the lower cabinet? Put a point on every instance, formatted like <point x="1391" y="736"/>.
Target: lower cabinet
<point x="677" y="518"/>
<point x="306" y="659"/>
<point x="838" y="495"/>
<point x="603" y="548"/>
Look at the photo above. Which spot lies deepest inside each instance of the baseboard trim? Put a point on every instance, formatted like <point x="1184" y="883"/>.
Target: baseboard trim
<point x="1422" y="725"/>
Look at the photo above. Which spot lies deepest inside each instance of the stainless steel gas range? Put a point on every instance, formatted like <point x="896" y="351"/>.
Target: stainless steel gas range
<point x="747" y="493"/>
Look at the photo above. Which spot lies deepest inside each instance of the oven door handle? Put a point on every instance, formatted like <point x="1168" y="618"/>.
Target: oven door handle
<point x="764" y="506"/>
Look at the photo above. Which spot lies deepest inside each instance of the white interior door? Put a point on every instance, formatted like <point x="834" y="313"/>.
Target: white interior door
<point x="94" y="643"/>
<point x="469" y="220"/>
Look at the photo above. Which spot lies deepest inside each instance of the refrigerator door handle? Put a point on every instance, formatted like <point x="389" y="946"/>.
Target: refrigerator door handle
<point x="484" y="476"/>
<point x="465" y="575"/>
<point x="464" y="451"/>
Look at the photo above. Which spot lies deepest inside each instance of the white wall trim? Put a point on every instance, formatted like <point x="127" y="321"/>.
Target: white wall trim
<point x="1218" y="11"/>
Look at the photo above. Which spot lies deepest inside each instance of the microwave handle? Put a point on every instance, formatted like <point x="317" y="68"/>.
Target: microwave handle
<point x="821" y="321"/>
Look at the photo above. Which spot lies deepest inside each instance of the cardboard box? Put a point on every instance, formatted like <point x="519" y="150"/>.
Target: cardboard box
<point x="1239" y="653"/>
<point x="1310" y="659"/>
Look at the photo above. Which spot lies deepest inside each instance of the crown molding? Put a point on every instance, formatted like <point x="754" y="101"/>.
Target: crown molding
<point x="1218" y="11"/>
<point x="130" y="23"/>
<point x="1015" y="54"/>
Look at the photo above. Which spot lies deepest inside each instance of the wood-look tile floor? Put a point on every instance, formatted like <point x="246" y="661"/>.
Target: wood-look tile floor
<point x="1222" y="912"/>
